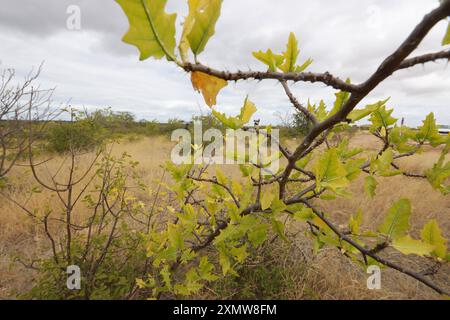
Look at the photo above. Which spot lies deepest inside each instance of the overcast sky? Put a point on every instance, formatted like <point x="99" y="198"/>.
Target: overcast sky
<point x="93" y="68"/>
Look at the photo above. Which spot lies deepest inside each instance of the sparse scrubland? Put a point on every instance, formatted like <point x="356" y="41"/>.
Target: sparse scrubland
<point x="277" y="270"/>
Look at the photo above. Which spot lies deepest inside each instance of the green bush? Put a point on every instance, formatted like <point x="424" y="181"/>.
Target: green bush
<point x="79" y="135"/>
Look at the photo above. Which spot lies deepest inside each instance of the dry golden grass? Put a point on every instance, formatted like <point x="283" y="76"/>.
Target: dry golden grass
<point x="328" y="275"/>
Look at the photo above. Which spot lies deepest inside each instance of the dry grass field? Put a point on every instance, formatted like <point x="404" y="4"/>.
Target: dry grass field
<point x="327" y="275"/>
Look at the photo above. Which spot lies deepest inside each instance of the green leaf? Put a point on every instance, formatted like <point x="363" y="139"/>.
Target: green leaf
<point x="438" y="175"/>
<point x="152" y="30"/>
<point x="399" y="137"/>
<point x="258" y="234"/>
<point x="205" y="270"/>
<point x="357" y="115"/>
<point x="381" y="118"/>
<point x="266" y="199"/>
<point x="330" y="172"/>
<point x="355" y="222"/>
<point x="225" y="262"/>
<point x="291" y="54"/>
<point x="246" y="170"/>
<point x="429" y="132"/>
<point x="432" y="234"/>
<point x="277" y="206"/>
<point x="384" y="164"/>
<point x="239" y="253"/>
<point x="305" y="214"/>
<point x="278" y="228"/>
<point x="341" y="99"/>
<point x="304" y="66"/>
<point x="396" y="222"/>
<point x="408" y="245"/>
<point x="272" y="60"/>
<point x="353" y="168"/>
<point x="371" y="186"/>
<point x="446" y="39"/>
<point x="188" y="24"/>
<point x="303" y="162"/>
<point x="205" y="17"/>
<point x="320" y="111"/>
<point x="221" y="177"/>
<point x="165" y="274"/>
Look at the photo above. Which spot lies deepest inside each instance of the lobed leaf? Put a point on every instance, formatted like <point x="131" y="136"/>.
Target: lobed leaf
<point x="432" y="234"/>
<point x="208" y="85"/>
<point x="151" y="30"/>
<point x="396" y="223"/>
<point x="408" y="245"/>
<point x="205" y="15"/>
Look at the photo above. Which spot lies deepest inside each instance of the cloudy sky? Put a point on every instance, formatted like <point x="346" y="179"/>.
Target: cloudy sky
<point x="91" y="67"/>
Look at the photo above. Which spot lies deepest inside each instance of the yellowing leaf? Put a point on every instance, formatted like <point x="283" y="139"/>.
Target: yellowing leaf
<point x="247" y="111"/>
<point x="432" y="234"/>
<point x="408" y="245"/>
<point x="205" y="15"/>
<point x="151" y="30"/>
<point x="208" y="85"/>
<point x="396" y="222"/>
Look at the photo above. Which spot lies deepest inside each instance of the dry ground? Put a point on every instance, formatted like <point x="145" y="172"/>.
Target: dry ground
<point x="325" y="276"/>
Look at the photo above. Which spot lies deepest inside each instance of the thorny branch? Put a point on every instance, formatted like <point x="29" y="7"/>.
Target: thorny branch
<point x="398" y="60"/>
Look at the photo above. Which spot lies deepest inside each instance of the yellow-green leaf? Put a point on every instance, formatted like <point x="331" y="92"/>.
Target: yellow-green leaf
<point x="208" y="85"/>
<point x="266" y="200"/>
<point x="272" y="60"/>
<point x="330" y="172"/>
<point x="239" y="121"/>
<point x="446" y="39"/>
<point x="278" y="228"/>
<point x="355" y="222"/>
<point x="258" y="234"/>
<point x="291" y="54"/>
<point x="396" y="222"/>
<point x="205" y="16"/>
<point x="384" y="164"/>
<point x="359" y="114"/>
<point x="429" y="132"/>
<point x="408" y="245"/>
<point x="277" y="206"/>
<point x="371" y="186"/>
<point x="432" y="234"/>
<point x="194" y="6"/>
<point x="151" y="30"/>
